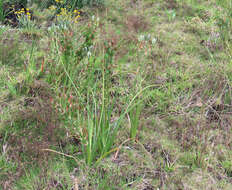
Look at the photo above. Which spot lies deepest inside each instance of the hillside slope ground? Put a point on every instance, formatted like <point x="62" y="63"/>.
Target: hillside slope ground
<point x="127" y="95"/>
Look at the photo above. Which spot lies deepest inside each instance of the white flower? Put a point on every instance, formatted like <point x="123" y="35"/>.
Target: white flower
<point x="91" y="47"/>
<point x="88" y="53"/>
<point x="93" y="18"/>
<point x="153" y="40"/>
<point x="141" y="38"/>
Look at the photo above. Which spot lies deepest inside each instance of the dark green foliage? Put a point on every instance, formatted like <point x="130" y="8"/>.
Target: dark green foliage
<point x="68" y="3"/>
<point x="16" y="2"/>
<point x="1" y="11"/>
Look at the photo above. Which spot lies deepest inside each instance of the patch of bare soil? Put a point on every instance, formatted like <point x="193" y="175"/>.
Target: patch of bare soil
<point x="136" y="23"/>
<point x="171" y="4"/>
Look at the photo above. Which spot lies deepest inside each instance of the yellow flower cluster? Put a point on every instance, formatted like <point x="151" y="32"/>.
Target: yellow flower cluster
<point x="52" y="8"/>
<point x="77" y="15"/>
<point x="64" y="13"/>
<point x="23" y="12"/>
<point x="59" y="1"/>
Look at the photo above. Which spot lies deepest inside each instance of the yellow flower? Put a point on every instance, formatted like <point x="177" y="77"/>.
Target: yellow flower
<point x="52" y="7"/>
<point x="59" y="1"/>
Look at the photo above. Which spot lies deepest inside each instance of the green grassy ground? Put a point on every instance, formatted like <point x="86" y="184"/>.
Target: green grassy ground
<point x="134" y="95"/>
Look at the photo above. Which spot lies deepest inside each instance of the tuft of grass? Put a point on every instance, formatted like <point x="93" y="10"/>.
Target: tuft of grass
<point x="134" y="116"/>
<point x="68" y="96"/>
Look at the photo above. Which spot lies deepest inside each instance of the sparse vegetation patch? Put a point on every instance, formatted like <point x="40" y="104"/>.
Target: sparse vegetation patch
<point x="111" y="94"/>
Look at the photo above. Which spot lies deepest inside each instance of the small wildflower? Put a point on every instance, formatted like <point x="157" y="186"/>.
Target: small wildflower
<point x="88" y="53"/>
<point x="153" y="41"/>
<point x="52" y="8"/>
<point x="141" y="38"/>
